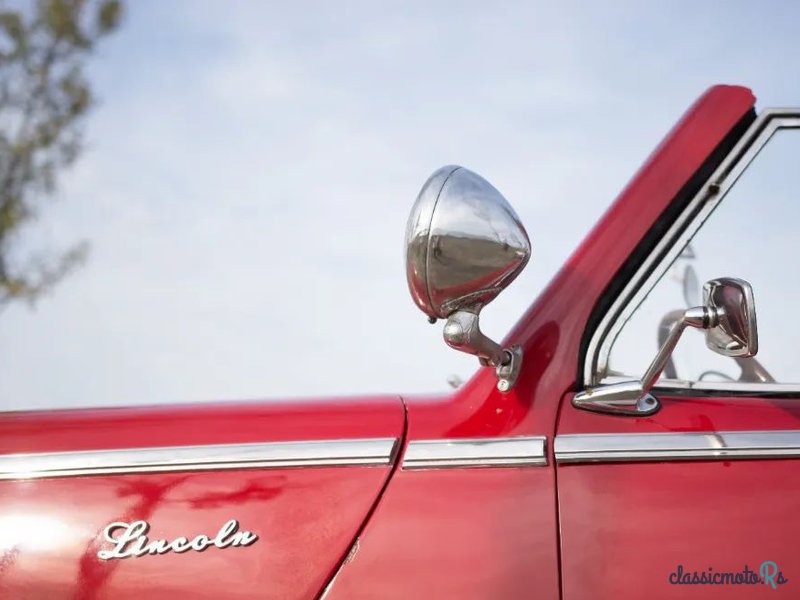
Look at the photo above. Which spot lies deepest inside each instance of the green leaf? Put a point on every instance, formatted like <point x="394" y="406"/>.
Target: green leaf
<point x="109" y="16"/>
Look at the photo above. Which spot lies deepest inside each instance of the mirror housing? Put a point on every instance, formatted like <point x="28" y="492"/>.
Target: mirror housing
<point x="735" y="333"/>
<point x="728" y="315"/>
<point x="464" y="245"/>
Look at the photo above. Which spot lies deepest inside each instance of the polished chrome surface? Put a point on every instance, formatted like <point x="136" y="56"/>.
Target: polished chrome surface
<point x="735" y="333"/>
<point x="462" y="331"/>
<point x="131" y="540"/>
<point x="620" y="398"/>
<point x="683" y="387"/>
<point x="198" y="458"/>
<point x="418" y="231"/>
<point x="507" y="372"/>
<point x="464" y="243"/>
<point x="751" y="369"/>
<point x="475" y="452"/>
<point x="729" y="315"/>
<point x="699" y="317"/>
<point x="673" y="242"/>
<point x="638" y="447"/>
<point x="664" y="329"/>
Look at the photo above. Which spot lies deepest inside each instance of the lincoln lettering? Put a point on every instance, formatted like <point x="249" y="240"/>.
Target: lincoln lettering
<point x="130" y="539"/>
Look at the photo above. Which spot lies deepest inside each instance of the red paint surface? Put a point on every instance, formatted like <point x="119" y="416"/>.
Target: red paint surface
<point x="626" y="527"/>
<point x="721" y="413"/>
<point x="197" y="424"/>
<point x="306" y="519"/>
<point x="460" y="533"/>
<point x="550" y="331"/>
<point x="457" y="534"/>
<point x="486" y="534"/>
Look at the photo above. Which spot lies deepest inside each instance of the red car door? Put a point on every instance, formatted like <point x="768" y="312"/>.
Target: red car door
<point x="699" y="499"/>
<point x="247" y="500"/>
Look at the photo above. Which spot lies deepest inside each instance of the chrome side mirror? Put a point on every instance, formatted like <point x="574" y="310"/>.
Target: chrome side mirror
<point x="464" y="245"/>
<point x="728" y="315"/>
<point x="735" y="333"/>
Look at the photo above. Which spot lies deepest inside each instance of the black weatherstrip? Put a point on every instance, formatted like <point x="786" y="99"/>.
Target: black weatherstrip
<point x="657" y="231"/>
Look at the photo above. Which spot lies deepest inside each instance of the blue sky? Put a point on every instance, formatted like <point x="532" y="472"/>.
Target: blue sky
<point x="250" y="167"/>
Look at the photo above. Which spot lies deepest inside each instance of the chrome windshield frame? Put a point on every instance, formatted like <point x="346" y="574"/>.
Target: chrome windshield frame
<point x="670" y="246"/>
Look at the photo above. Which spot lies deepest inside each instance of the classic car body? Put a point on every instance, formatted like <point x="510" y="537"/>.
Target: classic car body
<point x="478" y="494"/>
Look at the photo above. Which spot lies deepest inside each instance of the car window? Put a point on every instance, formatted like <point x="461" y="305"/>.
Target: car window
<point x="753" y="234"/>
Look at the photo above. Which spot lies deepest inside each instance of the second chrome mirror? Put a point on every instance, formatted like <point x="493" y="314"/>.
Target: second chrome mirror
<point x="735" y="332"/>
<point x="464" y="245"/>
<point x="728" y="315"/>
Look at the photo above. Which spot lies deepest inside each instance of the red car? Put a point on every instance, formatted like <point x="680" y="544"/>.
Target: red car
<point x="624" y="441"/>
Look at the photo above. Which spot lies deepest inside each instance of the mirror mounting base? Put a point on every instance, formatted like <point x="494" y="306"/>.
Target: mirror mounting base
<point x="624" y="398"/>
<point x="462" y="332"/>
<point x="633" y="397"/>
<point x="508" y="372"/>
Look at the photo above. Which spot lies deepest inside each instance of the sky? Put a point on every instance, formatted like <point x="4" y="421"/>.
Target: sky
<point x="250" y="167"/>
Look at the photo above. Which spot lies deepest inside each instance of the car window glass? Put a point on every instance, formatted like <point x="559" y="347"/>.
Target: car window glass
<point x="753" y="234"/>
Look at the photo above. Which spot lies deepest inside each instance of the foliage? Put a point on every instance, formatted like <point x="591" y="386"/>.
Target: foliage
<point x="44" y="96"/>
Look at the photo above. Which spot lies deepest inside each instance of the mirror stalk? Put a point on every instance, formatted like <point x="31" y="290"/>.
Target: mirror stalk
<point x="633" y="397"/>
<point x="729" y="318"/>
<point x="700" y="317"/>
<point x="462" y="331"/>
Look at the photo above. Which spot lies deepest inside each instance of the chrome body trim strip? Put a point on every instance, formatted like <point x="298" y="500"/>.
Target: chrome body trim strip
<point x="678" y="236"/>
<point x="214" y="457"/>
<point x="476" y="452"/>
<point x="667" y="447"/>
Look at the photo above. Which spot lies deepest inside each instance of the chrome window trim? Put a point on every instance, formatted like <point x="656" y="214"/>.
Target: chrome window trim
<point x="676" y="446"/>
<point x="476" y="452"/>
<point x="733" y="387"/>
<point x="688" y="223"/>
<point x="213" y="457"/>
